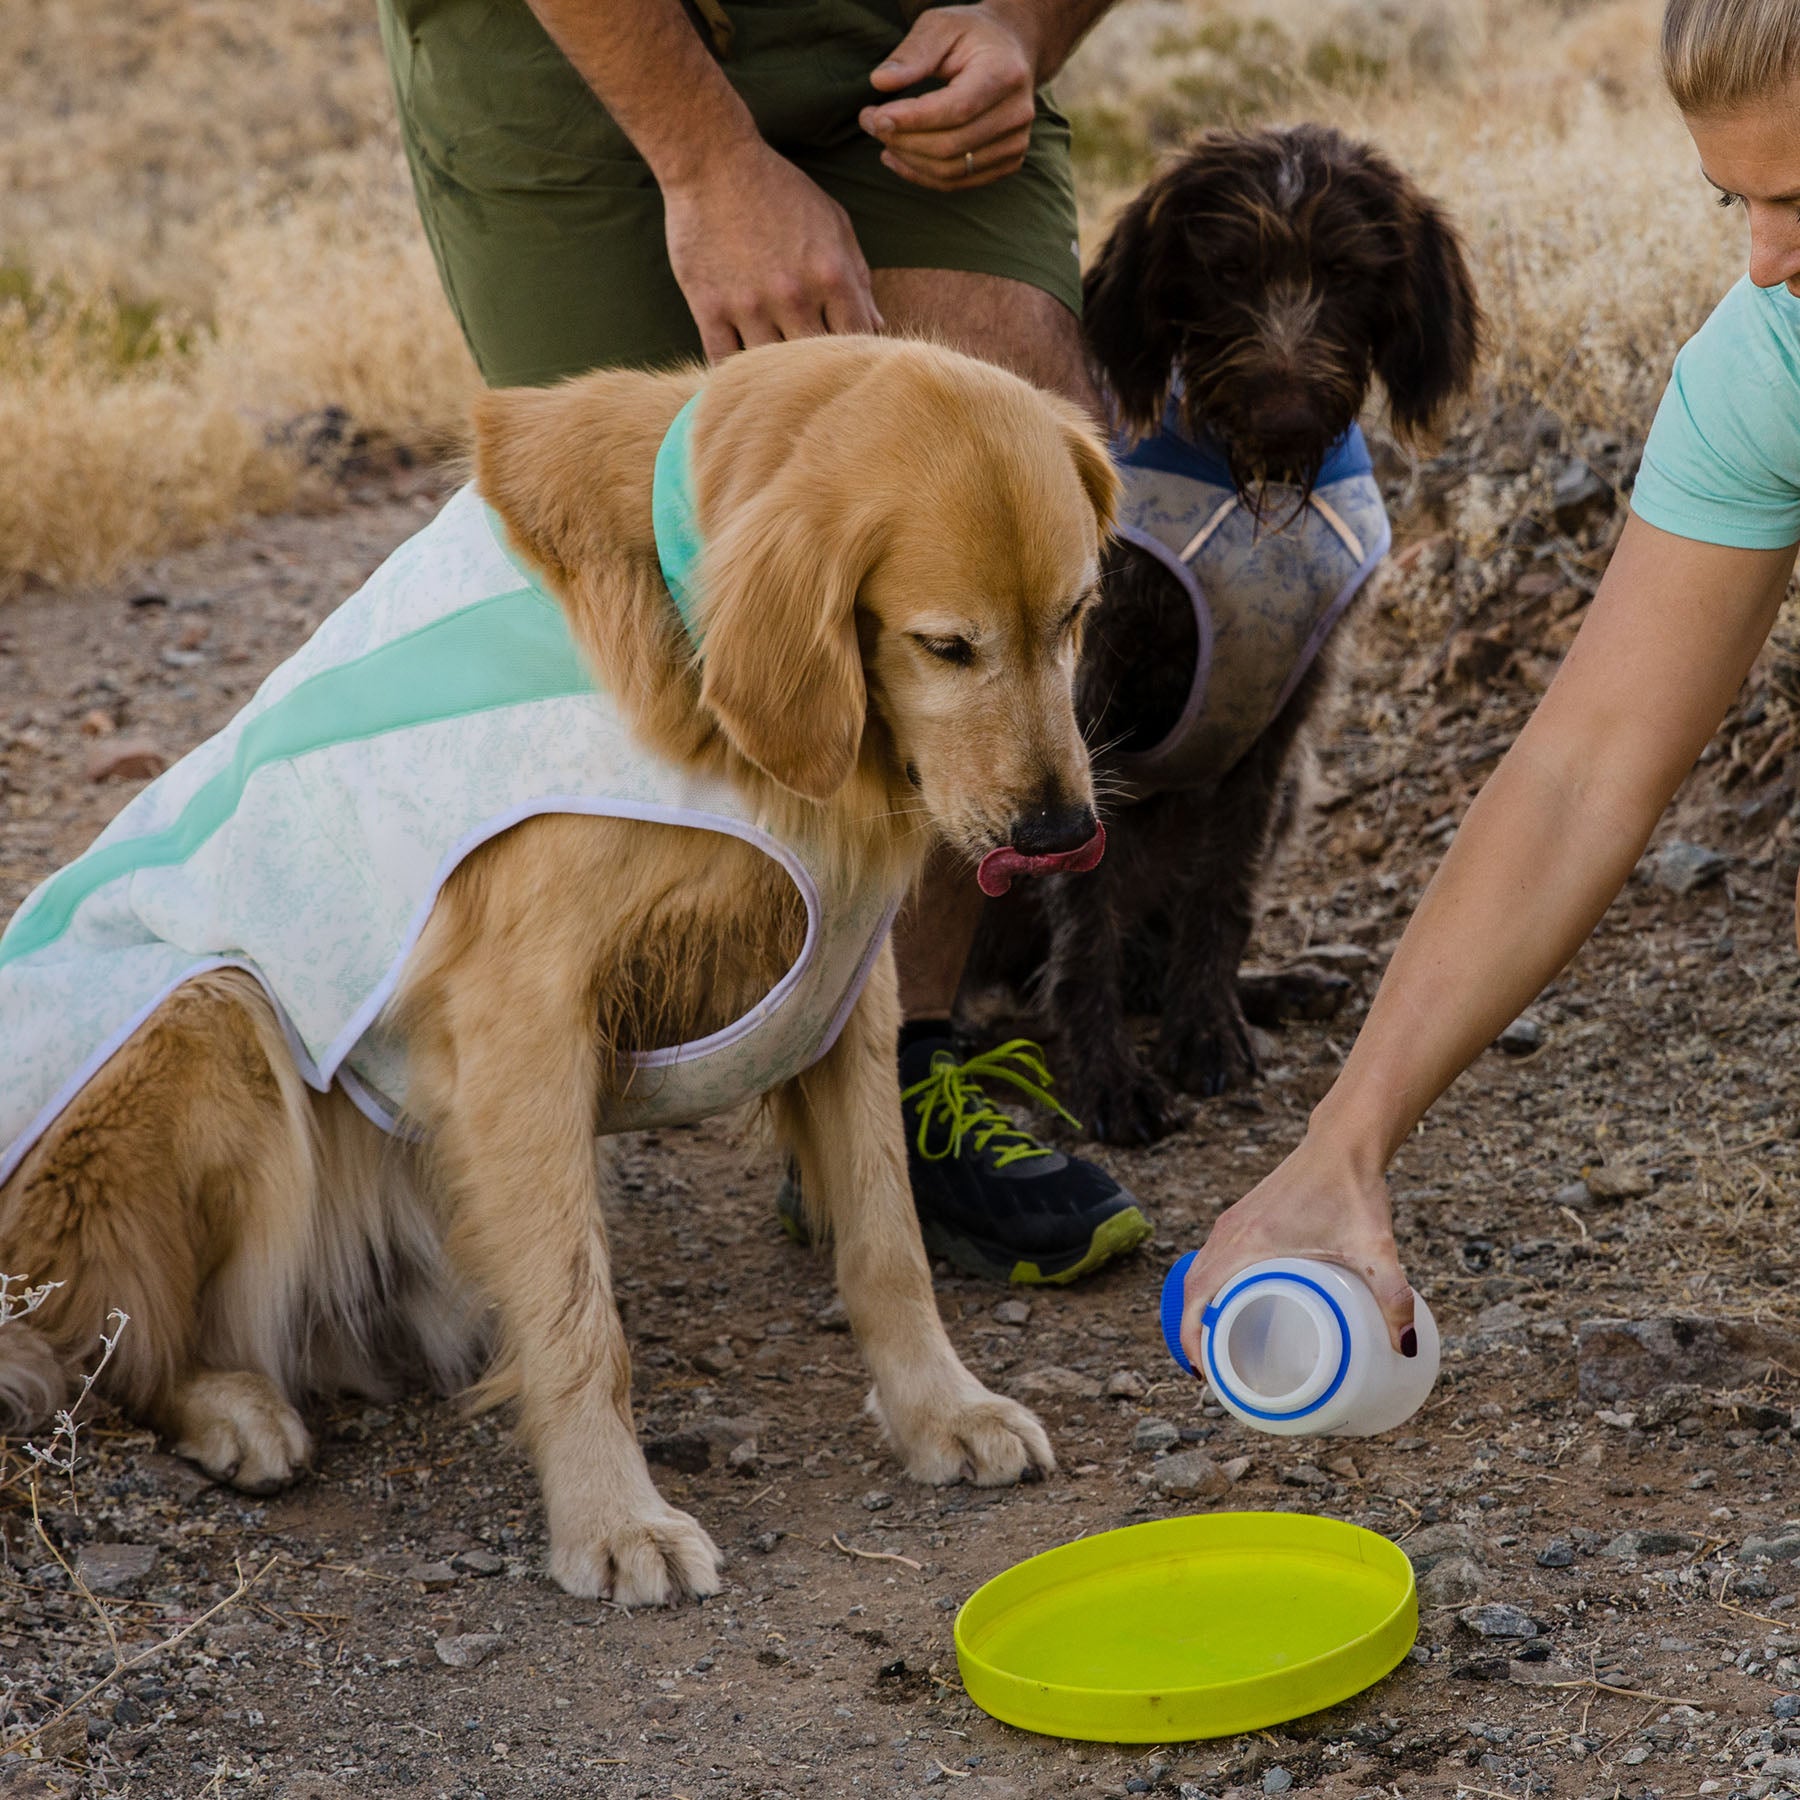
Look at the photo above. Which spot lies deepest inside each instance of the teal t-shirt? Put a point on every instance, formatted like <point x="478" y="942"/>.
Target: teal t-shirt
<point x="1722" y="463"/>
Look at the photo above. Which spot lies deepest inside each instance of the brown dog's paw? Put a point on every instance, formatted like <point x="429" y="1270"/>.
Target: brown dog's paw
<point x="650" y="1561"/>
<point x="239" y="1429"/>
<point x="1135" y="1109"/>
<point x="1209" y="1056"/>
<point x="968" y="1435"/>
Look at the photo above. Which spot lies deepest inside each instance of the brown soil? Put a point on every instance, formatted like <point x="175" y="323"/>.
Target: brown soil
<point x="818" y="1671"/>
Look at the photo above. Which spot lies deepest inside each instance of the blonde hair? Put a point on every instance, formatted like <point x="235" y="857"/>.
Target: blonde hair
<point x="1725" y="55"/>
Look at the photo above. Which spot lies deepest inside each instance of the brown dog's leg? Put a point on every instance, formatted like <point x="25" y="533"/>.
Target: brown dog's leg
<point x="842" y="1121"/>
<point x="505" y="1072"/>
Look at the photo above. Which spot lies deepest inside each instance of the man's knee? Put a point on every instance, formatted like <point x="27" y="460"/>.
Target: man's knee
<point x="995" y="317"/>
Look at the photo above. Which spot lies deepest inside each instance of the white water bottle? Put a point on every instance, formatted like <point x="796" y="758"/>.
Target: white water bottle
<point x="1294" y="1346"/>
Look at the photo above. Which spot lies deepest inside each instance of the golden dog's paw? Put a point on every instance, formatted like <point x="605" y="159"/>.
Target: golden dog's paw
<point x="654" y="1560"/>
<point x="965" y="1434"/>
<point x="240" y="1429"/>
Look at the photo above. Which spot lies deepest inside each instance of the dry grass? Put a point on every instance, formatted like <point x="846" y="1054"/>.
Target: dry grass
<point x="206" y="227"/>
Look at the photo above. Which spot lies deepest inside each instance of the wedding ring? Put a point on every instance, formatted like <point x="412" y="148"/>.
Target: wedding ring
<point x="968" y="162"/>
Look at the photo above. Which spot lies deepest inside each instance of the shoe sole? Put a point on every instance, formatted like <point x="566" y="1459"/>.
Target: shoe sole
<point x="1115" y="1236"/>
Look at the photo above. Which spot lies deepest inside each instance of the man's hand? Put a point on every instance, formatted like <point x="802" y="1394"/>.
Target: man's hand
<point x="762" y="254"/>
<point x="977" y="127"/>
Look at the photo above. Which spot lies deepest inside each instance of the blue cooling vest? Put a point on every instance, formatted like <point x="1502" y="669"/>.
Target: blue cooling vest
<point x="1266" y="593"/>
<point x="306" y="843"/>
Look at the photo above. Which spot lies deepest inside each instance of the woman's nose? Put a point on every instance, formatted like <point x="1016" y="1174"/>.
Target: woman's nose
<point x="1774" y="248"/>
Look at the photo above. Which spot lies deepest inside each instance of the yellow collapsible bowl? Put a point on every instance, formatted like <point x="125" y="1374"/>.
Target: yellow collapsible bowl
<point x="1196" y="1627"/>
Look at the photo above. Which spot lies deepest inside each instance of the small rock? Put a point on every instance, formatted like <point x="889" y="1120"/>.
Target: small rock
<point x="1576" y="1195"/>
<point x="1785" y="1706"/>
<point x="1053" y="1383"/>
<point x="97" y="724"/>
<point x="1453" y="1581"/>
<point x="175" y="1475"/>
<point x="1012" y="1312"/>
<point x="115" y="1568"/>
<point x="1651" y="1543"/>
<point x="469" y="1650"/>
<point x="1276" y="1780"/>
<point x="124" y="759"/>
<point x="1785" y="1548"/>
<point x="715" y="1359"/>
<point x="1193" y="1475"/>
<point x="478" y="1562"/>
<point x="1577" y="494"/>
<point x="1619" y="1359"/>
<point x="1125" y="1384"/>
<point x="765" y="1541"/>
<point x="1307" y="1475"/>
<point x="661" y="1707"/>
<point x="1636" y="1754"/>
<point x="1616" y="1421"/>
<point x="1522" y="1036"/>
<point x="1680" y="867"/>
<point x="433" y="1577"/>
<point x="877" y="1500"/>
<point x="832" y="1316"/>
<point x="1618" y="1181"/>
<point x="745" y="1458"/>
<point x="687" y="1452"/>
<point x="1236" y="1469"/>
<point x="1559" y="1553"/>
<point x="1154" y="1435"/>
<point x="1502" y="1317"/>
<point x="1497" y="1620"/>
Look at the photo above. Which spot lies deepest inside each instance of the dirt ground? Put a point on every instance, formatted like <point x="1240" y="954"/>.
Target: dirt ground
<point x="401" y="1638"/>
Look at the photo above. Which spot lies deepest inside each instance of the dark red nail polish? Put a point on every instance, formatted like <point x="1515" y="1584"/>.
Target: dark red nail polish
<point x="1409" y="1342"/>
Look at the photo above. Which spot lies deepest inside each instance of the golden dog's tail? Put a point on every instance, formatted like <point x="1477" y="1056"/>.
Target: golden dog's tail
<point x="34" y="1381"/>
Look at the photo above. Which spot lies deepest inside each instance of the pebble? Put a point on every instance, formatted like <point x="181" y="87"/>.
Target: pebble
<point x="1651" y="1543"/>
<point x="1577" y="494"/>
<point x="124" y="759"/>
<point x="1785" y="1548"/>
<point x="662" y="1707"/>
<point x="1154" y="1435"/>
<point x="877" y="1500"/>
<point x="1786" y="1706"/>
<point x="745" y="1458"/>
<point x="1276" y="1780"/>
<point x="1680" y="867"/>
<point x="477" y="1562"/>
<point x="715" y="1359"/>
<point x="832" y="1317"/>
<point x="1559" y="1553"/>
<point x="1307" y="1475"/>
<point x="433" y="1577"/>
<point x="1193" y="1475"/>
<point x="1618" y="1181"/>
<point x="1052" y="1382"/>
<point x="1126" y="1384"/>
<point x="765" y="1541"/>
<point x="1453" y="1581"/>
<point x="1522" y="1036"/>
<point x="1012" y="1312"/>
<point x="1497" y="1620"/>
<point x="1636" y="1754"/>
<point x="115" y="1568"/>
<point x="469" y="1650"/>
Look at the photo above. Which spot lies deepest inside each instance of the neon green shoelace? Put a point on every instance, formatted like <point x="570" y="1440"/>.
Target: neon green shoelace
<point x="952" y="1093"/>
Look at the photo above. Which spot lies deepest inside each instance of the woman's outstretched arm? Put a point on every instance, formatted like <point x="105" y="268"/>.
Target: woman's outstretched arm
<point x="1545" y="847"/>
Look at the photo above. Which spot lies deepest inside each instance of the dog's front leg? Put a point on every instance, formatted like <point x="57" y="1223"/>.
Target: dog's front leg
<point x="506" y="1067"/>
<point x="842" y="1121"/>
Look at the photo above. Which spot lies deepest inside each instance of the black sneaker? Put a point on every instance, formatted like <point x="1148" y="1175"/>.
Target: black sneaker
<point x="991" y="1199"/>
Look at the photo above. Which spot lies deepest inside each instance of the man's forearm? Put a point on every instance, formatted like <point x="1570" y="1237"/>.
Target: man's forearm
<point x="650" y="70"/>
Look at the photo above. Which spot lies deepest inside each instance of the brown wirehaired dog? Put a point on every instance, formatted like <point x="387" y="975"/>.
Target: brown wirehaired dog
<point x="902" y="543"/>
<point x="1247" y="299"/>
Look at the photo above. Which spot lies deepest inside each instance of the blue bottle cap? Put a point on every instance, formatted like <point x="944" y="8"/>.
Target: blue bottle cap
<point x="1174" y="1297"/>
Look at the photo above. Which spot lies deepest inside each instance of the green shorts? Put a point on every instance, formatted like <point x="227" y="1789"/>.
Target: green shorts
<point x="548" y="227"/>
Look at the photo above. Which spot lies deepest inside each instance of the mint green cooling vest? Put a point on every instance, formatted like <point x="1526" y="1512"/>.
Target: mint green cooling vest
<point x="307" y="842"/>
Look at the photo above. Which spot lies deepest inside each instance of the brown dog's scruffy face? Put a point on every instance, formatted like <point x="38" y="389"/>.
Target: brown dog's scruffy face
<point x="1272" y="274"/>
<point x="907" y="590"/>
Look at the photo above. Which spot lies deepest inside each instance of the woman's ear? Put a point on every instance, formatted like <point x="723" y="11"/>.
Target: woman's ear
<point x="781" y="668"/>
<point x="1428" y="353"/>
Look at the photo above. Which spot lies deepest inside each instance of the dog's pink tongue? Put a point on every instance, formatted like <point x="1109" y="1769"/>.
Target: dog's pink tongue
<point x="1000" y="868"/>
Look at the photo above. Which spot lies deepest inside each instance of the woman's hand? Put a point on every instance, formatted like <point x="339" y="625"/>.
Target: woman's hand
<point x="1324" y="1203"/>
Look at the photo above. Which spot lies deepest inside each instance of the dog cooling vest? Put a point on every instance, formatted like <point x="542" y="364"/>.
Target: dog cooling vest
<point x="306" y="843"/>
<point x="1266" y="593"/>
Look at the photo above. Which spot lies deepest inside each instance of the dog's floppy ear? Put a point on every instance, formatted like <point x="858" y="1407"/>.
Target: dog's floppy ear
<point x="1124" y="316"/>
<point x="1433" y="337"/>
<point x="782" y="668"/>
<point x="1098" y="477"/>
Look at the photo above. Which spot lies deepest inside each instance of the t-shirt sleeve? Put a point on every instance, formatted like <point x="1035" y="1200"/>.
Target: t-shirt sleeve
<point x="1722" y="464"/>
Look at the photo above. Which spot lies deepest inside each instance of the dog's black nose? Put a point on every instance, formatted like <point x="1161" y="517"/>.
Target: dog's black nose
<point x="1050" y="830"/>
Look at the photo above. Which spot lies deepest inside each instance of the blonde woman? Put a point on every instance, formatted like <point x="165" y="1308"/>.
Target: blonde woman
<point x="1686" y="603"/>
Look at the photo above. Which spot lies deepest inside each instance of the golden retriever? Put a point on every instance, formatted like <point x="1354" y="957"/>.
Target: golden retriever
<point x="901" y="546"/>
